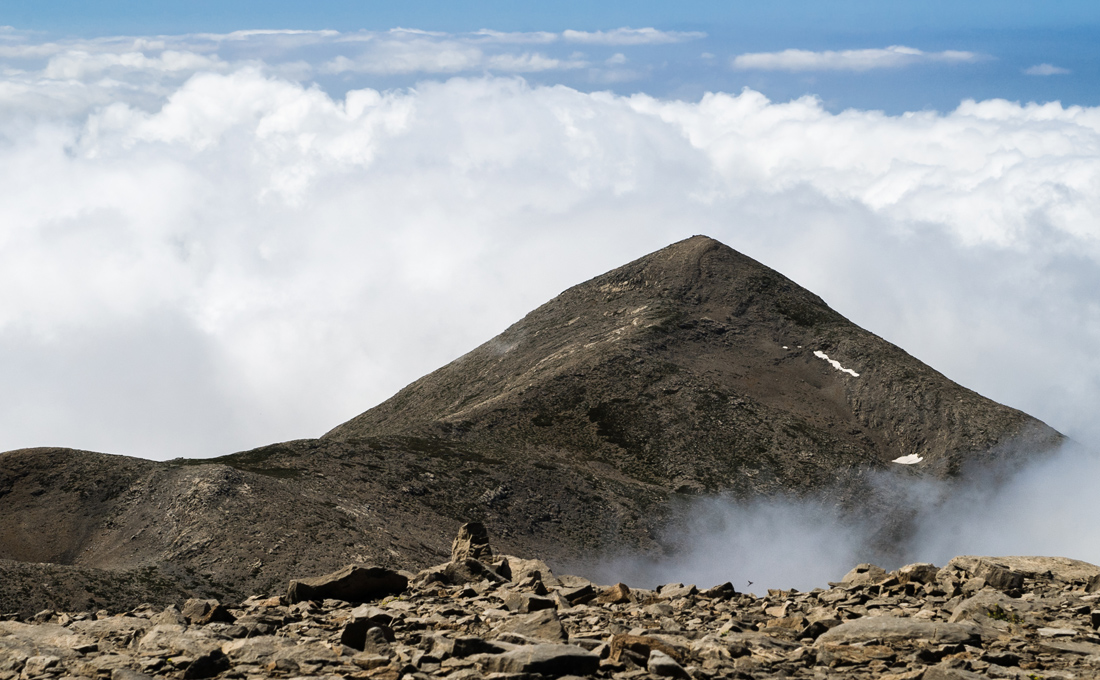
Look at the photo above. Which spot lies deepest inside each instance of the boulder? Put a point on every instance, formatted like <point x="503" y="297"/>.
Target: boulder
<point x="519" y="569"/>
<point x="525" y="603"/>
<point x="175" y="640"/>
<point x="542" y="625"/>
<point x="863" y="575"/>
<point x="891" y="629"/>
<point x="720" y="592"/>
<point x="989" y="605"/>
<point x="920" y="572"/>
<point x="616" y="594"/>
<point x="545" y="659"/>
<point x="48" y="639"/>
<point x="201" y="612"/>
<point x="111" y="627"/>
<point x="207" y="666"/>
<point x="644" y="645"/>
<point x="674" y="591"/>
<point x="255" y="650"/>
<point x="944" y="671"/>
<point x="665" y="666"/>
<point x="468" y="570"/>
<point x="1057" y="568"/>
<point x="353" y="583"/>
<point x="472" y="542"/>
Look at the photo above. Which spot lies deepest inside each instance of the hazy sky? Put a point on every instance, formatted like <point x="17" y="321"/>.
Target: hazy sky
<point x="228" y="224"/>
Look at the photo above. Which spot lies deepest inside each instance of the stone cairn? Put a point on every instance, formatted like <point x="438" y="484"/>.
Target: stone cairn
<point x="504" y="618"/>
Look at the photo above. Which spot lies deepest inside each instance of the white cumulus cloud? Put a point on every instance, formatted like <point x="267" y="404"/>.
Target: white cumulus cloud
<point x="631" y="36"/>
<point x="1045" y="70"/>
<point x="894" y="56"/>
<point x="197" y="263"/>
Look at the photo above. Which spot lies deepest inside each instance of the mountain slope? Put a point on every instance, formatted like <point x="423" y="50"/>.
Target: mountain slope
<point x="692" y="370"/>
<point x="700" y="368"/>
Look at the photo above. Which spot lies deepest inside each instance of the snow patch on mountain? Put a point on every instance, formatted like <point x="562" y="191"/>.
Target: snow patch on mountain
<point x="836" y="364"/>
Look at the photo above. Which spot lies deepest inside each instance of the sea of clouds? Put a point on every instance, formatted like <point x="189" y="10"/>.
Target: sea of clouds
<point x="210" y="243"/>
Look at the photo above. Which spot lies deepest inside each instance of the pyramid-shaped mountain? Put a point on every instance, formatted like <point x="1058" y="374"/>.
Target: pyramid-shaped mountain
<point x="698" y="368"/>
<point x="692" y="370"/>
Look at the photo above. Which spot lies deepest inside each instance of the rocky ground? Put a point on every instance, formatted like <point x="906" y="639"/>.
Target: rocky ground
<point x="485" y="616"/>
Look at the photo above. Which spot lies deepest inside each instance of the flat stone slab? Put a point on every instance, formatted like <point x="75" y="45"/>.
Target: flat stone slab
<point x="1061" y="568"/>
<point x="894" y="629"/>
<point x="545" y="659"/>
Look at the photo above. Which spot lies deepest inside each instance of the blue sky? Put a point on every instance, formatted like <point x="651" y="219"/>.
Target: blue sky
<point x="1058" y="41"/>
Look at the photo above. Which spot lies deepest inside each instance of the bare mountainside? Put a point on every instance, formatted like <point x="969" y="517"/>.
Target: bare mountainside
<point x="697" y="367"/>
<point x="692" y="370"/>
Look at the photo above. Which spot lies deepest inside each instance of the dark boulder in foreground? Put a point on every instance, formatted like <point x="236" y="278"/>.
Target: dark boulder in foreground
<point x="353" y="583"/>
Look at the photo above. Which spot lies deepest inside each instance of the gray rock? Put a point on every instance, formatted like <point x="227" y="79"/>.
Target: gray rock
<point x="469" y="570"/>
<point x="863" y="575"/>
<point x="519" y="569"/>
<point x="174" y="640"/>
<point x="128" y="674"/>
<point x="441" y="646"/>
<point x="48" y="639"/>
<point x="887" y="629"/>
<point x="999" y="576"/>
<point x="542" y="625"/>
<point x="207" y="666"/>
<point x="171" y="616"/>
<point x="256" y="650"/>
<point x="987" y="606"/>
<point x="353" y="583"/>
<point x="1058" y="568"/>
<point x="37" y="665"/>
<point x="364" y="636"/>
<point x="674" y="591"/>
<point x="944" y="672"/>
<point x="1062" y="646"/>
<point x="202" y="612"/>
<point x="472" y="542"/>
<point x="579" y="595"/>
<point x="665" y="666"/>
<point x="544" y="659"/>
<point x="111" y="627"/>
<point x="920" y="572"/>
<point x="617" y="594"/>
<point x="522" y="602"/>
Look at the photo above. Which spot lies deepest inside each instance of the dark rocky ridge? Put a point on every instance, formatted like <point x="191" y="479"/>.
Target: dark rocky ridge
<point x="568" y="435"/>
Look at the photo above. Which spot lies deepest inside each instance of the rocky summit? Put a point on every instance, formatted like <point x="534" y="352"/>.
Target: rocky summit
<point x="500" y="617"/>
<point x="692" y="371"/>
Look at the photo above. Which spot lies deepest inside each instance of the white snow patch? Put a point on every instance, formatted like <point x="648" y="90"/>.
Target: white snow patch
<point x="836" y="364"/>
<point x="911" y="459"/>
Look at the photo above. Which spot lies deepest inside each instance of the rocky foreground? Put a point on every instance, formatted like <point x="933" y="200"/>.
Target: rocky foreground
<point x="485" y="616"/>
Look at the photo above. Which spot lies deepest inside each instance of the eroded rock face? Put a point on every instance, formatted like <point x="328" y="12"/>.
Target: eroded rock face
<point x="915" y="623"/>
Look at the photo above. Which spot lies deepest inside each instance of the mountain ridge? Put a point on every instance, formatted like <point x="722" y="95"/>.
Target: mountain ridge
<point x="693" y="370"/>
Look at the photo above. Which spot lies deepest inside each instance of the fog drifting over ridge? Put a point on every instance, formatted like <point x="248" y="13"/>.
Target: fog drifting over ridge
<point x="202" y="254"/>
<point x="1046" y="507"/>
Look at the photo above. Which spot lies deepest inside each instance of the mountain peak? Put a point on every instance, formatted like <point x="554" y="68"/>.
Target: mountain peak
<point x="700" y="365"/>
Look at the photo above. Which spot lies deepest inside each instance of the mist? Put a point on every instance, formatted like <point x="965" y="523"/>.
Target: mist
<point x="1046" y="507"/>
